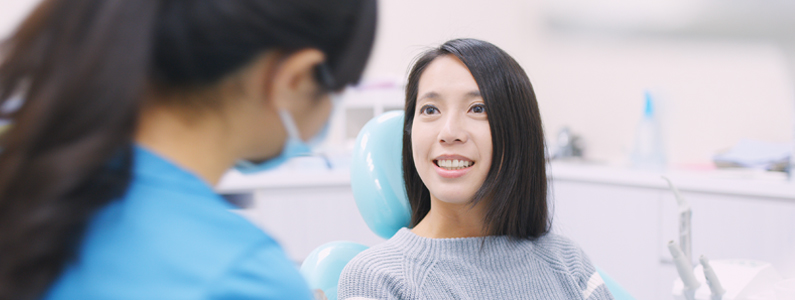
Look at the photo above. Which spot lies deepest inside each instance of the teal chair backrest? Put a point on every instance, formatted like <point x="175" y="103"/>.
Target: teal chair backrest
<point x="380" y="195"/>
<point x="377" y="175"/>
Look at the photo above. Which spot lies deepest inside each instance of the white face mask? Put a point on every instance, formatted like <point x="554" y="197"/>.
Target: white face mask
<point x="294" y="146"/>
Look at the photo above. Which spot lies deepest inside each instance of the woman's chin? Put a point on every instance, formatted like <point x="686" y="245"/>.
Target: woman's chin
<point x="454" y="197"/>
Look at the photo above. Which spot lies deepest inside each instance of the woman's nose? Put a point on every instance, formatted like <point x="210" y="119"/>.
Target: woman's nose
<point x="453" y="131"/>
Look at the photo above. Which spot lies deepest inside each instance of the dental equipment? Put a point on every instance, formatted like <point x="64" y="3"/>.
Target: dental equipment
<point x="712" y="279"/>
<point x="685" y="216"/>
<point x="685" y="271"/>
<point x="740" y="278"/>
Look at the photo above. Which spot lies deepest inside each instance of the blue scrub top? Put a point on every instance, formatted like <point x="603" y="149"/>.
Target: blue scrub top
<point x="172" y="237"/>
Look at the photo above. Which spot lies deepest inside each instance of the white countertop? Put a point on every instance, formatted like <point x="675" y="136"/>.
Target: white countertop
<point x="235" y="182"/>
<point x="729" y="182"/>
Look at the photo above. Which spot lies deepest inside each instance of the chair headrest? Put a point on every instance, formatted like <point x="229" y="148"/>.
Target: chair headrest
<point x="377" y="175"/>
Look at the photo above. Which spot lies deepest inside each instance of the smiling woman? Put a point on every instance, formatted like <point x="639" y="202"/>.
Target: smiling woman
<point x="474" y="169"/>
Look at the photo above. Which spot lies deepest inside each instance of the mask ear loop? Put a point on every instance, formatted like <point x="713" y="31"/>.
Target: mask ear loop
<point x="289" y="124"/>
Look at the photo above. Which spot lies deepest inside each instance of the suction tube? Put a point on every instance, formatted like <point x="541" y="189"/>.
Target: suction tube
<point x="685" y="215"/>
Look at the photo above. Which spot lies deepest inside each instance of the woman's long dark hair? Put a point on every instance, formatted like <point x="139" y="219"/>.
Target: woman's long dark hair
<point x="516" y="186"/>
<point x="81" y="68"/>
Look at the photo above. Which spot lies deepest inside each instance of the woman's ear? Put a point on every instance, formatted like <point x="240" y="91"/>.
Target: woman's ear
<point x="294" y="78"/>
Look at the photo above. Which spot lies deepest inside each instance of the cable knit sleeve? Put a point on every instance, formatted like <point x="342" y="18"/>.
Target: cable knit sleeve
<point x="591" y="283"/>
<point x="579" y="265"/>
<point x="376" y="273"/>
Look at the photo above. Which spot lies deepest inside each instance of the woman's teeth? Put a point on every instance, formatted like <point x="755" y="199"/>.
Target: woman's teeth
<point x="454" y="164"/>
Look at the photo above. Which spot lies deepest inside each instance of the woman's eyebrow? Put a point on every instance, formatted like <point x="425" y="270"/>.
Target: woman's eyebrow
<point x="431" y="95"/>
<point x="472" y="94"/>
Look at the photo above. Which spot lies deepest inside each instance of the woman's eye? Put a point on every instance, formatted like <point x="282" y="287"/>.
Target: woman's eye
<point x="428" y="110"/>
<point x="478" y="108"/>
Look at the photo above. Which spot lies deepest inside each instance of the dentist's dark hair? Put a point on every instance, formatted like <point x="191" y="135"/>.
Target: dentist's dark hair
<point x="83" y="68"/>
<point x="515" y="189"/>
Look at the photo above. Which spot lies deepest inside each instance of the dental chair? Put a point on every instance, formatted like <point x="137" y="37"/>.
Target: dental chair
<point x="380" y="195"/>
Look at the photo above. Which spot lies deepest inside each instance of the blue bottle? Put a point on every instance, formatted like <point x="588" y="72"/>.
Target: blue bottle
<point x="648" y="152"/>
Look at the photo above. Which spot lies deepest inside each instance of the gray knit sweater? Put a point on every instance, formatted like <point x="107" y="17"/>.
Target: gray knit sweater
<point x="409" y="266"/>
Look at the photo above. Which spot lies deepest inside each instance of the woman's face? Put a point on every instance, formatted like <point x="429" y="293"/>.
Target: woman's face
<point x="450" y="136"/>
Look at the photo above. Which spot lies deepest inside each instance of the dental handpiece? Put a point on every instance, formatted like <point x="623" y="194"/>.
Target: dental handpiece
<point x="712" y="279"/>
<point x="685" y="216"/>
<point x="685" y="270"/>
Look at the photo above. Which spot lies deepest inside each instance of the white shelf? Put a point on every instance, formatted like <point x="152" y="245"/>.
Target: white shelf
<point x="234" y="182"/>
<point x="739" y="183"/>
<point x="728" y="182"/>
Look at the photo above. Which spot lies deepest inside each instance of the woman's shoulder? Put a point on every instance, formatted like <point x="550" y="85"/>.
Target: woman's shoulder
<point x="555" y="242"/>
<point x="375" y="273"/>
<point x="155" y="240"/>
<point x="152" y="268"/>
<point x="262" y="271"/>
<point x="380" y="258"/>
<point x="565" y="256"/>
<point x="562" y="254"/>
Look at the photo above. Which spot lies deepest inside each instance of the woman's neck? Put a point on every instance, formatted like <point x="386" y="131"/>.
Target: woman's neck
<point x="201" y="146"/>
<point x="448" y="220"/>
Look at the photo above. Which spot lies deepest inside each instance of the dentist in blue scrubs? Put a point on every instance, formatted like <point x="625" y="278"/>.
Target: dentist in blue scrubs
<point x="132" y="111"/>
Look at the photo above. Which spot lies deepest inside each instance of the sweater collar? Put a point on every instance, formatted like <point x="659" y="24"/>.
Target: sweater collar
<point x="459" y="248"/>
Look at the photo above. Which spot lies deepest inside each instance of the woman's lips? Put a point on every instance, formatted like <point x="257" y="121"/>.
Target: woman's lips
<point x="453" y="165"/>
<point x="451" y="173"/>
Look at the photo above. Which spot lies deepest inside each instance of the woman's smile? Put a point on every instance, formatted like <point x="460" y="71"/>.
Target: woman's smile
<point x="452" y="166"/>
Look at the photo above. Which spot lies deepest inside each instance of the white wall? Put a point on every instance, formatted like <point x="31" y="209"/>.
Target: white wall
<point x="406" y="28"/>
<point x="12" y="12"/>
<point x="714" y="92"/>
